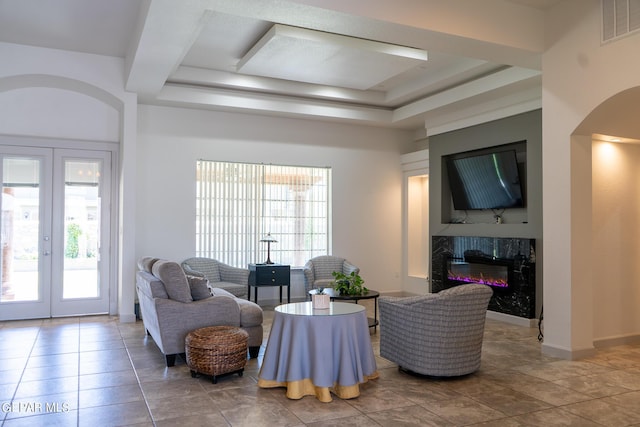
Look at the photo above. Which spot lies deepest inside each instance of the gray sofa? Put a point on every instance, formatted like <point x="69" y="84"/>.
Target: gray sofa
<point x="220" y="275"/>
<point x="435" y="334"/>
<point x="172" y="305"/>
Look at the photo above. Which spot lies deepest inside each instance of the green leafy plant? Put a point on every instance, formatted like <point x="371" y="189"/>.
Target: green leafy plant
<point x="73" y="236"/>
<point x="348" y="284"/>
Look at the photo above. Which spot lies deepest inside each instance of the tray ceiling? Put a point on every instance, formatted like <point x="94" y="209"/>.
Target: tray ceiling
<point x="294" y="59"/>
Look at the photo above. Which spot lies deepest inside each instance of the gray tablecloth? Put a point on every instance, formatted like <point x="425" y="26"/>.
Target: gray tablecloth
<point x="331" y="352"/>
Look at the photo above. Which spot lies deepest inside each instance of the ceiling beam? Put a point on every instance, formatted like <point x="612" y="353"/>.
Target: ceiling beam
<point x="165" y="33"/>
<point x="482" y="85"/>
<point x="269" y="104"/>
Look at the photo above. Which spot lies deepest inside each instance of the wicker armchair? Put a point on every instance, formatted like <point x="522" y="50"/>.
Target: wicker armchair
<point x="220" y="275"/>
<point x="435" y="334"/>
<point x="317" y="271"/>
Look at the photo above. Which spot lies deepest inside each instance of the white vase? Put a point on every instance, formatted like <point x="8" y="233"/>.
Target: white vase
<point x="320" y="301"/>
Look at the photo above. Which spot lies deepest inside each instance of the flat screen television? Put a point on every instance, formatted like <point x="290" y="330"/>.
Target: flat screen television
<point x="485" y="181"/>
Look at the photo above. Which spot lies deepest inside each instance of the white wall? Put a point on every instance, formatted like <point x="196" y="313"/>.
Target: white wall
<point x="579" y="74"/>
<point x="58" y="94"/>
<point x="367" y="179"/>
<point x="69" y="97"/>
<point x="48" y="112"/>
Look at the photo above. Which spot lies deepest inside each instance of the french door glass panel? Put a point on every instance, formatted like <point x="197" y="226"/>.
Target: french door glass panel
<point x="55" y="232"/>
<point x="81" y="229"/>
<point x="21" y="211"/>
<point x="80" y="233"/>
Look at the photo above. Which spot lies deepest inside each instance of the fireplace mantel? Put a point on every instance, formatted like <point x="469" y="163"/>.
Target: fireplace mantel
<point x="512" y="262"/>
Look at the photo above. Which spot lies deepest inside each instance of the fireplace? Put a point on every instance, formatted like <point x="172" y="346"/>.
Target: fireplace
<point x="507" y="265"/>
<point x="494" y="273"/>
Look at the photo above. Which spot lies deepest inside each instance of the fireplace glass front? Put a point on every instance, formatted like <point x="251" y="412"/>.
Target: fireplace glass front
<point x="471" y="272"/>
<point x="508" y="265"/>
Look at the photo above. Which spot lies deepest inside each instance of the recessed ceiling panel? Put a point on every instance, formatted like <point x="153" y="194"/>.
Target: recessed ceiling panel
<point x="310" y="56"/>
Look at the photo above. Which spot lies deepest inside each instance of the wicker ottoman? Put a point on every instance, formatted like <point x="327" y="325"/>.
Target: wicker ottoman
<point x="216" y="350"/>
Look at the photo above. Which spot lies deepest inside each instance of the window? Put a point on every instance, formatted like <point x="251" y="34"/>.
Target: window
<point x="239" y="203"/>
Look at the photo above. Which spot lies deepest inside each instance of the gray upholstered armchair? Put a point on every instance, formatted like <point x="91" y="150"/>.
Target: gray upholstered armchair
<point x="220" y="275"/>
<point x="317" y="271"/>
<point x="435" y="334"/>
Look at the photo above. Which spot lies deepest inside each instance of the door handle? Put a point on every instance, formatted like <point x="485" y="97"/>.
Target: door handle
<point x="47" y="253"/>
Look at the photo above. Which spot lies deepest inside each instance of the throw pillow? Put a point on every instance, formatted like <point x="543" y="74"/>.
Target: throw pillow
<point x="146" y="263"/>
<point x="199" y="288"/>
<point x="174" y="279"/>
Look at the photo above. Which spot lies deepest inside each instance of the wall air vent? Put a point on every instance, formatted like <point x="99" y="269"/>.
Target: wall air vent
<point x="619" y="18"/>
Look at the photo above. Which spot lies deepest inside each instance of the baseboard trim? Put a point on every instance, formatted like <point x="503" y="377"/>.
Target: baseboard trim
<point x="127" y="318"/>
<point x="628" y="339"/>
<point x="567" y="354"/>
<point x="514" y="320"/>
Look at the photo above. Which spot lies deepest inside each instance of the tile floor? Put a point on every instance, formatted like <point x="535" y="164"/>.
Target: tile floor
<point x="95" y="371"/>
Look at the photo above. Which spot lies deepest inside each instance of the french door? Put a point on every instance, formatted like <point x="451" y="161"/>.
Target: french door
<point x="55" y="228"/>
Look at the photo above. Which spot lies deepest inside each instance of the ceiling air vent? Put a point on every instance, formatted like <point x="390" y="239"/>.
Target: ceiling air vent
<point x="619" y="18"/>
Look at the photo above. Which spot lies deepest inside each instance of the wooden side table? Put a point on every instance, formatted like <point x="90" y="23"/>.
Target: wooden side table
<point x="269" y="275"/>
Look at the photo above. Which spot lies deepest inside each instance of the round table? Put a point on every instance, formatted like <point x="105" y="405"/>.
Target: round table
<point x="335" y="296"/>
<point x="318" y="352"/>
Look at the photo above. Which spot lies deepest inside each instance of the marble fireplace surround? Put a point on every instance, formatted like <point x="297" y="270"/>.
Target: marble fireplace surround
<point x="514" y="291"/>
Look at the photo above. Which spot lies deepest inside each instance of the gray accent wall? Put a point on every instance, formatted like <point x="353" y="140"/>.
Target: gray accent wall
<point x="517" y="223"/>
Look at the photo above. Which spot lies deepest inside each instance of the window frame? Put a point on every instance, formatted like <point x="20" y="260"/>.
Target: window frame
<point x="237" y="204"/>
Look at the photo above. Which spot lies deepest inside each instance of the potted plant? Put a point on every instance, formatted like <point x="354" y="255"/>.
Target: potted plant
<point x="348" y="284"/>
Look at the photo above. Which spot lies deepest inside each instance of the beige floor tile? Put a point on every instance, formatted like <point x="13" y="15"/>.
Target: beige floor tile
<point x="182" y="406"/>
<point x="114" y="415"/>
<point x="53" y="419"/>
<point x="107" y="379"/>
<point x="604" y="412"/>
<point x="594" y="386"/>
<point x="630" y="401"/>
<point x="464" y="410"/>
<point x="42" y="405"/>
<point x="553" y="394"/>
<point x="379" y="399"/>
<point x="110" y="373"/>
<point x="310" y="409"/>
<point x="101" y="345"/>
<point x="554" y="417"/>
<point x="200" y="420"/>
<point x="265" y="413"/>
<point x="50" y="372"/>
<point x="6" y="392"/>
<point x="511" y="402"/>
<point x="37" y="389"/>
<point x="561" y="369"/>
<point x="110" y="396"/>
<point x="357" y="421"/>
<point x="409" y="416"/>
<point x="118" y="364"/>
<point x="172" y="388"/>
<point x="52" y="361"/>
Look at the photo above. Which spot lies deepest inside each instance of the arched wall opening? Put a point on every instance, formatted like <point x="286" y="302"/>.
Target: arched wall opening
<point x="63" y="112"/>
<point x="59" y="107"/>
<point x="605" y="193"/>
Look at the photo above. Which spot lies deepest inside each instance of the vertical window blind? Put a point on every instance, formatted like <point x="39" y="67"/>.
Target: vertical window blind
<point x="239" y="203"/>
